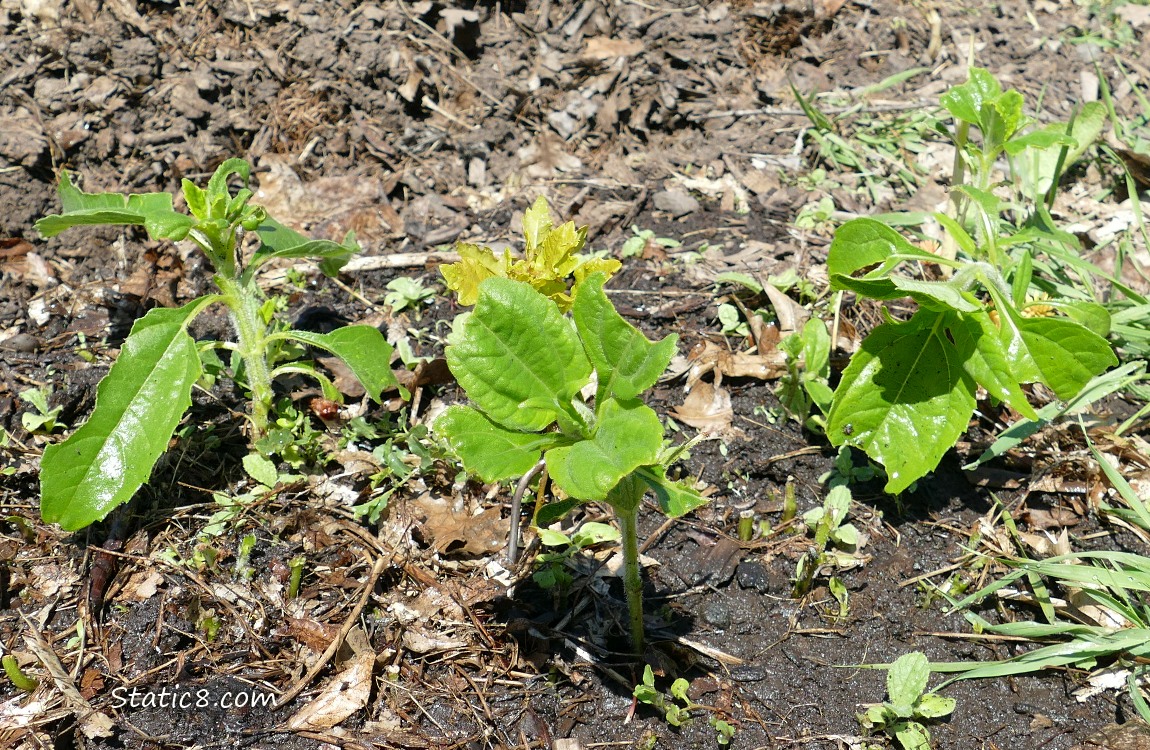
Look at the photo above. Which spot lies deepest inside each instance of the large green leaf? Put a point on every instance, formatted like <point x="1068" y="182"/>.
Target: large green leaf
<point x="904" y="399"/>
<point x="517" y="357"/>
<point x="362" y="348"/>
<point x="153" y="211"/>
<point x="625" y="361"/>
<point x="627" y="436"/>
<point x="1057" y="352"/>
<point x="984" y="359"/>
<point x="488" y="450"/>
<point x="138" y="405"/>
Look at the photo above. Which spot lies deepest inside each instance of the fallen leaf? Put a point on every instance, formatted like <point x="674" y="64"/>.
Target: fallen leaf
<point x="707" y="408"/>
<point x="344" y="695"/>
<point x="452" y="531"/>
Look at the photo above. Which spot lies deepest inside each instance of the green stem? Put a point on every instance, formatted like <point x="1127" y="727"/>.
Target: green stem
<point x="632" y="577"/>
<point x="244" y="310"/>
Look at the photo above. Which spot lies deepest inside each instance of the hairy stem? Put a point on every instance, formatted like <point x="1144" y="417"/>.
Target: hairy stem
<point x="632" y="575"/>
<point x="244" y="310"/>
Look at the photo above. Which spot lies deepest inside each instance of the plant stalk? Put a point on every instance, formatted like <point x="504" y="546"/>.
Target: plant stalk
<point x="632" y="574"/>
<point x="244" y="310"/>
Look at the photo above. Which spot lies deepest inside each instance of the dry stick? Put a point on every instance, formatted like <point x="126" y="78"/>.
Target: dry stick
<point x="372" y="578"/>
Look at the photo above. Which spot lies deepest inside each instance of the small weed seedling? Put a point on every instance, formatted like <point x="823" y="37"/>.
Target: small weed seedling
<point x="143" y="397"/>
<point x="637" y="244"/>
<point x="836" y="546"/>
<point x="902" y="717"/>
<point x="676" y="707"/>
<point x="909" y="392"/>
<point x="523" y="365"/>
<point x="43" y="420"/>
<point x="405" y="292"/>
<point x="551" y="567"/>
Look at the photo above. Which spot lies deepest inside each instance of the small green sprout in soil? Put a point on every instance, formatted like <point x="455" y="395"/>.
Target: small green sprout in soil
<point x="835" y="546"/>
<point x="903" y="716"/>
<point x="676" y="707"/>
<point x="144" y="396"/>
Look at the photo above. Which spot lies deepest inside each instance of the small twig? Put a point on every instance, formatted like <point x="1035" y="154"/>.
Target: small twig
<point x="349" y="623"/>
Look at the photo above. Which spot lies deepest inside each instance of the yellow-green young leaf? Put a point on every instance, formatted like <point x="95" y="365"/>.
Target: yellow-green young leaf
<point x="475" y="265"/>
<point x="627" y="436"/>
<point x="536" y="224"/>
<point x="488" y="450"/>
<point x="555" y="252"/>
<point x="138" y="405"/>
<point x="626" y="362"/>
<point x="362" y="348"/>
<point x="517" y="357"/>
<point x="904" y="399"/>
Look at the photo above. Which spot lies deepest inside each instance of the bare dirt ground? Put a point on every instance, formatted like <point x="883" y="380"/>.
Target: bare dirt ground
<point x="417" y="124"/>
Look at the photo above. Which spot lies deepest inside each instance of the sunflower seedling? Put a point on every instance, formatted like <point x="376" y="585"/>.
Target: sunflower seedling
<point x="144" y="396"/>
<point x="523" y="364"/>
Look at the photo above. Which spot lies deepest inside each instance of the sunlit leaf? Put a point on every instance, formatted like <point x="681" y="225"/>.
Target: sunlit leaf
<point x="138" y="405"/>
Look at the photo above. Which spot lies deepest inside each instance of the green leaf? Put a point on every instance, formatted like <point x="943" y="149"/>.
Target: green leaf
<point x="965" y="101"/>
<point x="261" y="469"/>
<point x="153" y="211"/>
<point x="904" y="399"/>
<point x="912" y="735"/>
<point x="934" y="706"/>
<point x="937" y="295"/>
<point x="138" y="405"/>
<point x="627" y="436"/>
<point x="517" y="357"/>
<point x="679" y="690"/>
<point x="1037" y="163"/>
<point x="594" y="533"/>
<point x="1090" y="314"/>
<point x="362" y="348"/>
<point x="626" y="362"/>
<point x="906" y="681"/>
<point x="674" y="498"/>
<point x="492" y="452"/>
<point x="278" y="241"/>
<point x="549" y="538"/>
<point x="1058" y="352"/>
<point x="984" y="359"/>
<point x="865" y="242"/>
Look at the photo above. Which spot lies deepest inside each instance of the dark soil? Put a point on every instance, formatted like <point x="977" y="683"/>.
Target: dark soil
<point x="416" y="124"/>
